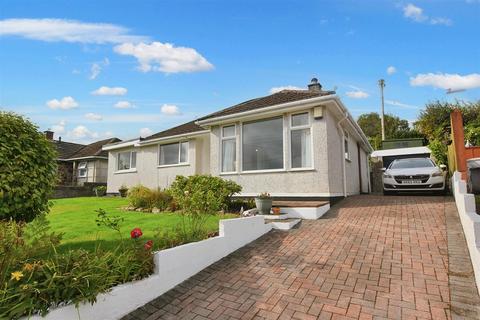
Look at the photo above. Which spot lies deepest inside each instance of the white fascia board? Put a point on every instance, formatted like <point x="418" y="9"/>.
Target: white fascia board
<point x="275" y="109"/>
<point x="172" y="138"/>
<point x="120" y="145"/>
<point x="83" y="158"/>
<point x="354" y="124"/>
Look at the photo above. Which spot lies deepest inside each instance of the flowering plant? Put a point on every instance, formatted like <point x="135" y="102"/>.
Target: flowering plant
<point x="148" y="245"/>
<point x="136" y="233"/>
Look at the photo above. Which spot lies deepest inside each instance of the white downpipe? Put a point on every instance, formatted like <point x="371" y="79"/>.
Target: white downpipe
<point x="344" y="169"/>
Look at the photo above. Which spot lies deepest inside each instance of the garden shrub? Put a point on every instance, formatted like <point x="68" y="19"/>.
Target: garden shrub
<point x="145" y="198"/>
<point x="35" y="278"/>
<point x="199" y="196"/>
<point x="28" y="169"/>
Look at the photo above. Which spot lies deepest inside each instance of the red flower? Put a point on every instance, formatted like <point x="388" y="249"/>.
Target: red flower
<point x="136" y="233"/>
<point x="148" y="245"/>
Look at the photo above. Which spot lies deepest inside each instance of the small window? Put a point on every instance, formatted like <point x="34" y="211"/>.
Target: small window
<point x="126" y="160"/>
<point x="173" y="153"/>
<point x="300" y="141"/>
<point x="347" y="152"/>
<point x="82" y="169"/>
<point x="299" y="120"/>
<point x="229" y="149"/>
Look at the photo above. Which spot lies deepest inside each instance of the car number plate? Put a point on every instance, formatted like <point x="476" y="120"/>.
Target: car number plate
<point x="411" y="181"/>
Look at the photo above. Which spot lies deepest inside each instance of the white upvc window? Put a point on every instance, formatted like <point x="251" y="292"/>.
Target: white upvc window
<point x="229" y="148"/>
<point x="262" y="145"/>
<point x="345" y="142"/>
<point x="82" y="170"/>
<point x="173" y="153"/>
<point x="300" y="140"/>
<point x="126" y="160"/>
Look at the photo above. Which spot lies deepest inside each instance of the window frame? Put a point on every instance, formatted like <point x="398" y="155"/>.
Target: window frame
<point x="284" y="168"/>
<point x="84" y="168"/>
<point x="222" y="139"/>
<point x="346" y="143"/>
<point x="185" y="163"/>
<point x="130" y="169"/>
<point x="300" y="127"/>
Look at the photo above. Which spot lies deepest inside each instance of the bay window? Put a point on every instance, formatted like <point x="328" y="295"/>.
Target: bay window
<point x="262" y="145"/>
<point x="300" y="141"/>
<point x="173" y="153"/>
<point x="229" y="149"/>
<point x="126" y="160"/>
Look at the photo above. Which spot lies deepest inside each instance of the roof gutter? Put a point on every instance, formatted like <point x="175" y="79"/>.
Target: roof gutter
<point x="271" y="109"/>
<point x="178" y="136"/>
<point x="83" y="158"/>
<point x="120" y="145"/>
<point x="353" y="123"/>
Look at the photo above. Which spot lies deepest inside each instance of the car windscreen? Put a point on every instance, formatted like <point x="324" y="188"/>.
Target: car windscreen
<point x="412" y="163"/>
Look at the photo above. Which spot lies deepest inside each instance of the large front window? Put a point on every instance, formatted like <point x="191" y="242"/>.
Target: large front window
<point x="173" y="153"/>
<point x="300" y="143"/>
<point x="126" y="160"/>
<point x="262" y="145"/>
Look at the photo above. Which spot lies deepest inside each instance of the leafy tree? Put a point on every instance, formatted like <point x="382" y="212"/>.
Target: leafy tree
<point x="28" y="169"/>
<point x="434" y="123"/>
<point x="395" y="128"/>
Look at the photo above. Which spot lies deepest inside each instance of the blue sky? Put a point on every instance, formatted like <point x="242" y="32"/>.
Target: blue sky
<point x="94" y="69"/>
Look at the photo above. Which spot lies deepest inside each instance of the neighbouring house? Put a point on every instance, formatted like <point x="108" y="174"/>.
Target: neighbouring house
<point x="79" y="163"/>
<point x="292" y="144"/>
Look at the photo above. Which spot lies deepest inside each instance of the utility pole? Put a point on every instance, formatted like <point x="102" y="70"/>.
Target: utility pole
<point x="381" y="83"/>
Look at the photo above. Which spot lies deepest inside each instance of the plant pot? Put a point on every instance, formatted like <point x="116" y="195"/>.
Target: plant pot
<point x="123" y="192"/>
<point x="100" y="193"/>
<point x="276" y="210"/>
<point x="264" y="205"/>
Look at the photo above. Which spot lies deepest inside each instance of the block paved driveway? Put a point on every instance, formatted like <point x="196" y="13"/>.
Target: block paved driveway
<point x="370" y="257"/>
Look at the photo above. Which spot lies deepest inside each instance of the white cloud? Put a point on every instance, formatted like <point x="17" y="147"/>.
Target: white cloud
<point x="400" y="104"/>
<point x="123" y="105"/>
<point x="65" y="103"/>
<point x="80" y="132"/>
<point x="97" y="67"/>
<point x="278" y="89"/>
<point x="52" y="30"/>
<point x="145" y="132"/>
<point x="59" y="128"/>
<point x="170" y="109"/>
<point x="441" y="21"/>
<point x="447" y="81"/>
<point x="358" y="94"/>
<point x="416" y="14"/>
<point x="110" y="91"/>
<point x="93" y="116"/>
<point x="413" y="12"/>
<point x="391" y="70"/>
<point x="164" y="57"/>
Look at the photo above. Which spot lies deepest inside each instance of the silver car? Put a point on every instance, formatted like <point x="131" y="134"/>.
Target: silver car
<point x="414" y="174"/>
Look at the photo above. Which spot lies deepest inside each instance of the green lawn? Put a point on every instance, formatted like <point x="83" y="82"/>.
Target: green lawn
<point x="75" y="217"/>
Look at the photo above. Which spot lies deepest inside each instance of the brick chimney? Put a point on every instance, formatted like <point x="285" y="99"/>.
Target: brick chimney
<point x="314" y="85"/>
<point x="48" y="134"/>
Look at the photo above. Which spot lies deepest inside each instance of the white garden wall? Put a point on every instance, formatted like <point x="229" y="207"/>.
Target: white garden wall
<point x="470" y="222"/>
<point x="172" y="267"/>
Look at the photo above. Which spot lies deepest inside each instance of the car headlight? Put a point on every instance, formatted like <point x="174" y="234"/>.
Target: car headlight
<point x="437" y="174"/>
<point x="387" y="176"/>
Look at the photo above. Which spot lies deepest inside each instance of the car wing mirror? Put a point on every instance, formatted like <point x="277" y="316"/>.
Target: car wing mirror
<point x="443" y="167"/>
<point x="384" y="169"/>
